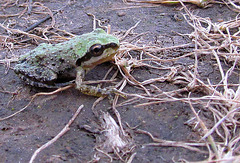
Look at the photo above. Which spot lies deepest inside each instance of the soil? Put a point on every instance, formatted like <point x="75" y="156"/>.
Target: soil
<point x="22" y="134"/>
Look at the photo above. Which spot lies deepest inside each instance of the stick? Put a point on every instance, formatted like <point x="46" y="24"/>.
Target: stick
<point x="64" y="130"/>
<point x="34" y="96"/>
<point x="39" y="22"/>
<point x="29" y="7"/>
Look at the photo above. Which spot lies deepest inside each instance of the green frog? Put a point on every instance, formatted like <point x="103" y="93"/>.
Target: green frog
<point x="57" y="65"/>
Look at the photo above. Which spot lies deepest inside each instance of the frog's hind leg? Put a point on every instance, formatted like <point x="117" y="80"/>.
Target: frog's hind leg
<point x="33" y="83"/>
<point x="43" y="85"/>
<point x="36" y="76"/>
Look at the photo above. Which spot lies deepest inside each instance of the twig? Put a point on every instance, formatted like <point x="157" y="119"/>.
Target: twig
<point x="34" y="96"/>
<point x="129" y="30"/>
<point x="39" y="22"/>
<point x="160" y="142"/>
<point x="105" y="153"/>
<point x="63" y="131"/>
<point x="22" y="32"/>
<point x="29" y="8"/>
<point x="54" y="92"/>
<point x="1" y="119"/>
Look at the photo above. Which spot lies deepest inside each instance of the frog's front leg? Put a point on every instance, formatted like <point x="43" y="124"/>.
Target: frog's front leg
<point x="87" y="89"/>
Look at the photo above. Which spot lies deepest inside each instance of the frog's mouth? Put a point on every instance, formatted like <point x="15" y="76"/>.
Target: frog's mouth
<point x="98" y="54"/>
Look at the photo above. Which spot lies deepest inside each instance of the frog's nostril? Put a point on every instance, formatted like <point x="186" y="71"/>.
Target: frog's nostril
<point x="113" y="45"/>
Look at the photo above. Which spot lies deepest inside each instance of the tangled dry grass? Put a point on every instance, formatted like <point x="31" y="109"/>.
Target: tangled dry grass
<point x="219" y="40"/>
<point x="200" y="3"/>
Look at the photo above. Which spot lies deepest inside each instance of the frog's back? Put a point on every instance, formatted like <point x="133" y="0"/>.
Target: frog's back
<point x="62" y="56"/>
<point x="55" y="56"/>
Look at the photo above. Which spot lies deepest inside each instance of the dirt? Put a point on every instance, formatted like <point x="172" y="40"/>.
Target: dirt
<point x="44" y="119"/>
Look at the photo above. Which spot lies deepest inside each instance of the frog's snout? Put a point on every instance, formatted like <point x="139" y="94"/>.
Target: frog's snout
<point x="112" y="45"/>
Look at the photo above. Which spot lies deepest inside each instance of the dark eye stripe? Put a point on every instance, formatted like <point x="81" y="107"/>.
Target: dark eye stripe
<point x="89" y="55"/>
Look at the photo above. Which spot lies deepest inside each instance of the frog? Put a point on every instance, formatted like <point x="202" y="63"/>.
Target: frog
<point x="61" y="64"/>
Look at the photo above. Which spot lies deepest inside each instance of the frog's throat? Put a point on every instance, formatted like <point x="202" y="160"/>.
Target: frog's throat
<point x="107" y="55"/>
<point x="99" y="61"/>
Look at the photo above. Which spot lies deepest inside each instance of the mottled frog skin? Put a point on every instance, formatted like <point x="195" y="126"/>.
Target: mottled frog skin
<point x="57" y="65"/>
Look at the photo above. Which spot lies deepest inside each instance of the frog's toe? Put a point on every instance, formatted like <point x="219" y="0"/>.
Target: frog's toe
<point x="113" y="90"/>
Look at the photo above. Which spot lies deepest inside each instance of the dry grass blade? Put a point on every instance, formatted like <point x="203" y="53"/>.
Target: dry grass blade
<point x="200" y="3"/>
<point x="19" y="38"/>
<point x="205" y="130"/>
<point x="22" y="32"/>
<point x="160" y="142"/>
<point x="219" y="122"/>
<point x="216" y="38"/>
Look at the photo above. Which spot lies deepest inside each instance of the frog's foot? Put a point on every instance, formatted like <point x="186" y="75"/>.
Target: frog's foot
<point x="99" y="92"/>
<point x="93" y="91"/>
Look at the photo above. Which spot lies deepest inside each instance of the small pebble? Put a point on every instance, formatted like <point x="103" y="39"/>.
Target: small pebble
<point x="121" y="13"/>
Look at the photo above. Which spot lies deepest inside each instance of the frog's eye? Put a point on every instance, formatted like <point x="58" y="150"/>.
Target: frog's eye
<point x="96" y="50"/>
